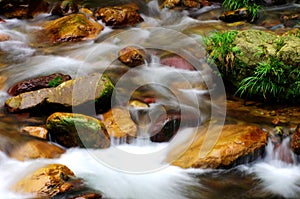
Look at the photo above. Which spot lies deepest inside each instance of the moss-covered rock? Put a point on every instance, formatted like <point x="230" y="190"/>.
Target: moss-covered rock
<point x="73" y="130"/>
<point x="92" y="89"/>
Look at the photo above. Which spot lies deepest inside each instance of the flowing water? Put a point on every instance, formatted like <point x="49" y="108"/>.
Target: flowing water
<point x="137" y="170"/>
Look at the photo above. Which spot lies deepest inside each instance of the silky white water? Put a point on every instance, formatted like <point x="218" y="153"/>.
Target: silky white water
<point x="137" y="170"/>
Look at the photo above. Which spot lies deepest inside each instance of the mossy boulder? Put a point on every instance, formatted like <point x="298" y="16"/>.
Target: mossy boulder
<point x="258" y="63"/>
<point x="73" y="130"/>
<point x="94" y="89"/>
<point x="74" y="27"/>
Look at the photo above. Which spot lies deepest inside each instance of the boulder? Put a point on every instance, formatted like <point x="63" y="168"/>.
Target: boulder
<point x="221" y="147"/>
<point x="116" y="16"/>
<point x="94" y="88"/>
<point x="64" y="8"/>
<point x="37" y="83"/>
<point x="74" y="27"/>
<point x="23" y="9"/>
<point x="164" y="130"/>
<point x="73" y="130"/>
<point x="132" y="56"/>
<point x="34" y="149"/>
<point x="119" y="124"/>
<point x="231" y="16"/>
<point x="47" y="181"/>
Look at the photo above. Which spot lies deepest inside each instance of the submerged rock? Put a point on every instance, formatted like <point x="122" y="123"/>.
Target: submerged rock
<point x="94" y="89"/>
<point x="126" y="15"/>
<point x="37" y="83"/>
<point x="225" y="147"/>
<point x="119" y="124"/>
<point x="23" y="9"/>
<point x="74" y="27"/>
<point x="132" y="56"/>
<point x="73" y="130"/>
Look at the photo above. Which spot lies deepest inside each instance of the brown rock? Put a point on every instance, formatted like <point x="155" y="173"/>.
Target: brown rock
<point x="177" y="62"/>
<point x="47" y="181"/>
<point x="4" y="37"/>
<point x="73" y="130"/>
<point x="132" y="56"/>
<point x="23" y="9"/>
<point x="119" y="124"/>
<point x="74" y="27"/>
<point x="170" y="3"/>
<point x="164" y="130"/>
<point x="126" y="15"/>
<point x="37" y="83"/>
<point x="191" y="3"/>
<point x="33" y="149"/>
<point x="221" y="146"/>
<point x="295" y="142"/>
<point x="35" y="131"/>
<point x="64" y="8"/>
<point x="235" y="15"/>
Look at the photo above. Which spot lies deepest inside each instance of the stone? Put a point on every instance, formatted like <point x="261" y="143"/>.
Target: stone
<point x="119" y="124"/>
<point x="170" y="3"/>
<point x="64" y="8"/>
<point x="191" y="3"/>
<point x="116" y="16"/>
<point x="290" y="51"/>
<point x="165" y="130"/>
<point x="48" y="181"/>
<point x="221" y="147"/>
<point x="35" y="131"/>
<point x="241" y="14"/>
<point x="176" y="62"/>
<point x="23" y="9"/>
<point x="94" y="88"/>
<point x="132" y="56"/>
<point x="73" y="130"/>
<point x="74" y="27"/>
<point x="37" y="83"/>
<point x="34" y="149"/>
<point x="4" y="37"/>
<point x="137" y="104"/>
<point x="295" y="141"/>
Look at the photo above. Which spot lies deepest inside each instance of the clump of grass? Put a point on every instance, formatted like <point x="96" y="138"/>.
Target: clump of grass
<point x="55" y="82"/>
<point x="272" y="80"/>
<point x="251" y="6"/>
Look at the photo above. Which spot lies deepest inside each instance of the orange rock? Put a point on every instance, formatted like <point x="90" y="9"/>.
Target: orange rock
<point x="35" y="131"/>
<point x="119" y="123"/>
<point x="47" y="181"/>
<point x="34" y="149"/>
<point x="222" y="146"/>
<point x="132" y="56"/>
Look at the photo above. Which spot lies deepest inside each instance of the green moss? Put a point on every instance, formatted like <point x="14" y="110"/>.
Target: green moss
<point x="55" y="82"/>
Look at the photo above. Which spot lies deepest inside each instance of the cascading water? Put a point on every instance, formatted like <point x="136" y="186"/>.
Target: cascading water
<point x="141" y="172"/>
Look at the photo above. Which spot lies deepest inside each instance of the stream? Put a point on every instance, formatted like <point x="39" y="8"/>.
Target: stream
<point x="137" y="170"/>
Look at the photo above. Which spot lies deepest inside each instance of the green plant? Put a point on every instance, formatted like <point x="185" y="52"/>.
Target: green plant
<point x="55" y="82"/>
<point x="221" y="49"/>
<point x="252" y="7"/>
<point x="272" y="80"/>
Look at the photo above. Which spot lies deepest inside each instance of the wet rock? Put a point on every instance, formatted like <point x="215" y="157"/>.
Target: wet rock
<point x="4" y="37"/>
<point x="34" y="149"/>
<point x="132" y="56"/>
<point x="119" y="124"/>
<point x="64" y="8"/>
<point x="74" y="27"/>
<point x="241" y="14"/>
<point x="170" y="3"/>
<point x="35" y="131"/>
<point x="23" y="9"/>
<point x="295" y="142"/>
<point x="290" y="20"/>
<point x="221" y="146"/>
<point x="176" y="62"/>
<point x="73" y="130"/>
<point x="94" y="89"/>
<point x="47" y="181"/>
<point x="191" y="3"/>
<point x="37" y="83"/>
<point x="116" y="16"/>
<point x="137" y="104"/>
<point x="165" y="130"/>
